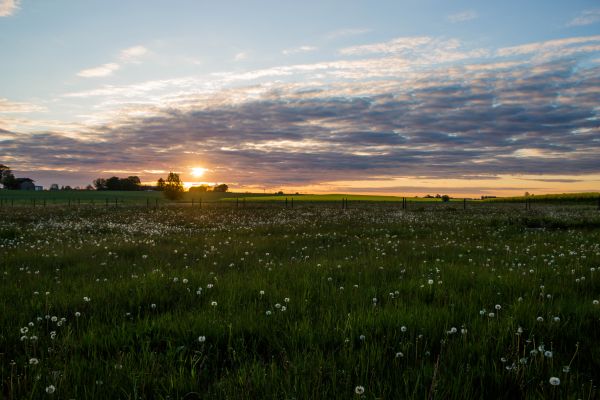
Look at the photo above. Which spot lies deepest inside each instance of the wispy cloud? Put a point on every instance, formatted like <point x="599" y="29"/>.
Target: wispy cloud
<point x="100" y="71"/>
<point x="7" y="106"/>
<point x="393" y="46"/>
<point x="133" y="54"/>
<point x="342" y="33"/>
<point x="242" y="55"/>
<point x="586" y="17"/>
<point x="462" y="16"/>
<point x="300" y="49"/>
<point x="551" y="48"/>
<point x="8" y="7"/>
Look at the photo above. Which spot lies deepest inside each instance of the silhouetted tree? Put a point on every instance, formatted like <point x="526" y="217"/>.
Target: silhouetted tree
<point x="99" y="184"/>
<point x="173" y="187"/>
<point x="131" y="183"/>
<point x="160" y="184"/>
<point x="221" y="188"/>
<point x="445" y="198"/>
<point x="7" y="179"/>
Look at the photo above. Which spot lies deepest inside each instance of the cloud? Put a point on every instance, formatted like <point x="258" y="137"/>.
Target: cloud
<point x="393" y="46"/>
<point x="462" y="16"/>
<point x="300" y="49"/>
<point x="8" y="7"/>
<point x="587" y="17"/>
<point x="102" y="70"/>
<point x="342" y="33"/>
<point x="133" y="54"/>
<point x="242" y="55"/>
<point x="7" y="106"/>
<point x="550" y="48"/>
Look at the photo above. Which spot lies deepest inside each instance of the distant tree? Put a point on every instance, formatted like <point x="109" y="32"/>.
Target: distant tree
<point x="221" y="188"/>
<point x="113" y="183"/>
<point x="445" y="198"/>
<point x="89" y="187"/>
<point x="526" y="194"/>
<point x="7" y="179"/>
<point x="99" y="184"/>
<point x="173" y="188"/>
<point x="66" y="188"/>
<point x="160" y="184"/>
<point x="131" y="183"/>
<point x="280" y="193"/>
<point x="54" y="186"/>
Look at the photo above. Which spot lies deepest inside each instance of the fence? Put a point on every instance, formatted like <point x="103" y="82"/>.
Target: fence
<point x="287" y="203"/>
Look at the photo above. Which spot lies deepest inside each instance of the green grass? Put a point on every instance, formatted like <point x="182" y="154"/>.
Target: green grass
<point x="331" y="197"/>
<point x="350" y="280"/>
<point x="585" y="197"/>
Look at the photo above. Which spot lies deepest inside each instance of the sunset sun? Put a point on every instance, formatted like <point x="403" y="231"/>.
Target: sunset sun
<point x="198" y="171"/>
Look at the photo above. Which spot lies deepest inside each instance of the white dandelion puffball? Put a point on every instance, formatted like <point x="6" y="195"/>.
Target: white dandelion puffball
<point x="360" y="390"/>
<point x="554" y="381"/>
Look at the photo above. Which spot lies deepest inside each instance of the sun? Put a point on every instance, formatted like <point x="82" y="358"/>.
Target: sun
<point x="198" y="171"/>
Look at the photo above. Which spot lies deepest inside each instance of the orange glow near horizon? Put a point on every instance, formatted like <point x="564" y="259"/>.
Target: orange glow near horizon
<point x="501" y="186"/>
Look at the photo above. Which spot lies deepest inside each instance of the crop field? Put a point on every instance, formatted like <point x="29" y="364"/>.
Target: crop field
<point x="307" y="303"/>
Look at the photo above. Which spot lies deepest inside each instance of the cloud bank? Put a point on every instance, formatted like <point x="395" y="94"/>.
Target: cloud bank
<point x="451" y="112"/>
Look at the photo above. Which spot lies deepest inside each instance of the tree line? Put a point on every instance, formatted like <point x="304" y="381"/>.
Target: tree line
<point x="131" y="183"/>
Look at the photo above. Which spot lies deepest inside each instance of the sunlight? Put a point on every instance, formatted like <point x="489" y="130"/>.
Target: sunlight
<point x="198" y="171"/>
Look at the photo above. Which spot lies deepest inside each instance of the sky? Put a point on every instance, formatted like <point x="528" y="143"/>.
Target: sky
<point x="401" y="97"/>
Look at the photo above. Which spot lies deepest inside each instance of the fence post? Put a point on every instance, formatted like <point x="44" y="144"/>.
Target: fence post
<point x="192" y="202"/>
<point x="107" y="202"/>
<point x="292" y="202"/>
<point x="237" y="202"/>
<point x="33" y="203"/>
<point x="156" y="203"/>
<point x="44" y="203"/>
<point x="464" y="204"/>
<point x="286" y="202"/>
<point x="200" y="203"/>
<point x="244" y="202"/>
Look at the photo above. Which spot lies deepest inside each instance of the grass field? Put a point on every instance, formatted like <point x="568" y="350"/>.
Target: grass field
<point x="551" y="198"/>
<point x="186" y="303"/>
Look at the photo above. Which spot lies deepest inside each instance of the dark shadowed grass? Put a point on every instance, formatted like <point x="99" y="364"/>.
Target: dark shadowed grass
<point x="307" y="303"/>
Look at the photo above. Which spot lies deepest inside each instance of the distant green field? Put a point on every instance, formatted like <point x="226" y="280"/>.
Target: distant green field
<point x="330" y="197"/>
<point x="570" y="197"/>
<point x="20" y="197"/>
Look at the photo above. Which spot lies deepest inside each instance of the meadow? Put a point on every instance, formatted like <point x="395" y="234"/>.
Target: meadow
<point x="433" y="302"/>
